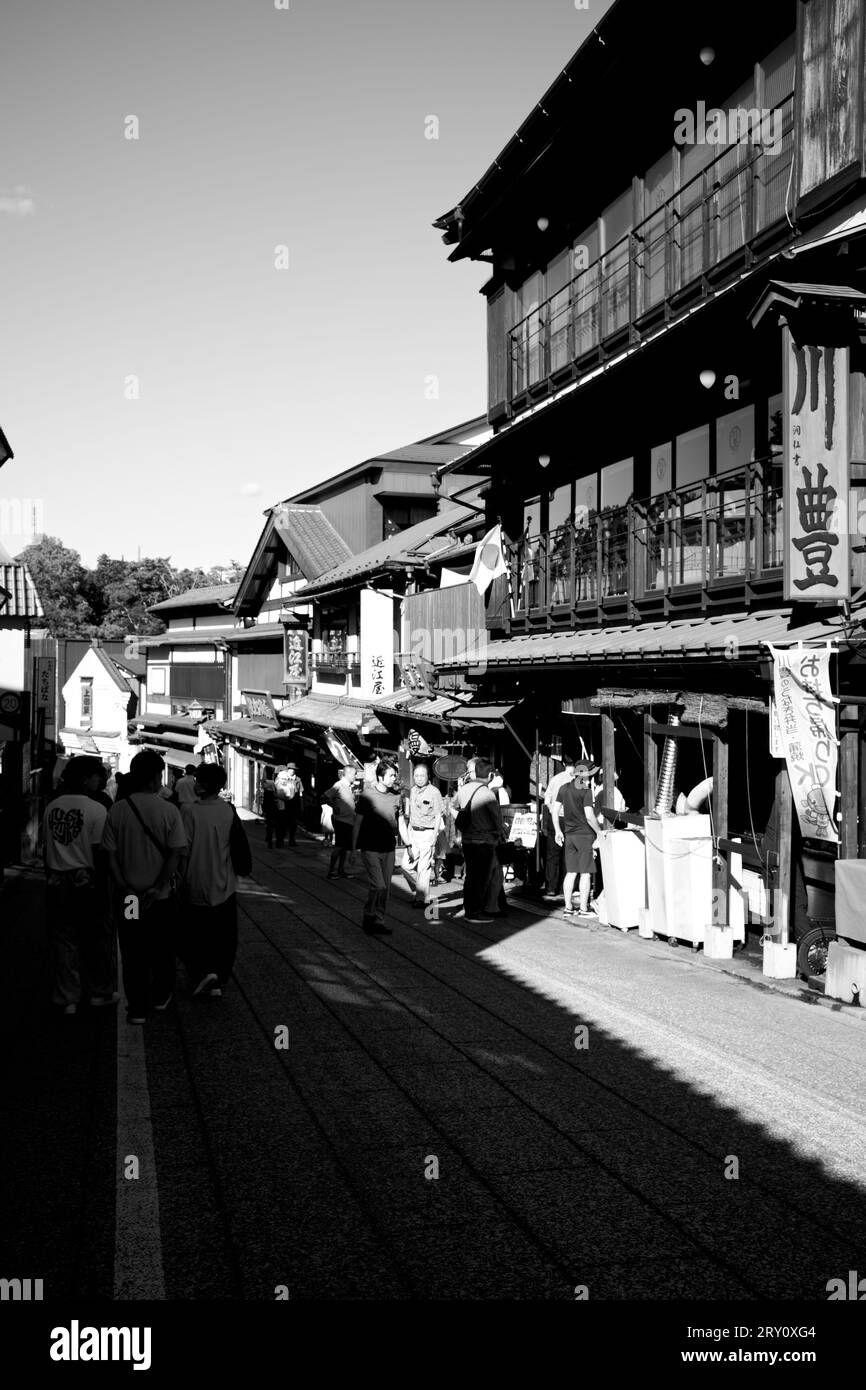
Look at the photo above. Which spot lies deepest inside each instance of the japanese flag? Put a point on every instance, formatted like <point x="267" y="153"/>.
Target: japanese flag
<point x="489" y="561"/>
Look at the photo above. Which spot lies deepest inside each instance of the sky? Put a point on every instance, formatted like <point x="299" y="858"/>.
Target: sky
<point x="162" y="380"/>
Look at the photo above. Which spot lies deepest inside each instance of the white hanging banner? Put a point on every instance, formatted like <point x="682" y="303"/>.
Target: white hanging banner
<point x="806" y="715"/>
<point x="777" y="747"/>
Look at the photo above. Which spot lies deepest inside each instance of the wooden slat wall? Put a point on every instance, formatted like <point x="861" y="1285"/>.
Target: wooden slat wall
<point x="830" y="105"/>
<point x="442" y="621"/>
<point x="497" y="374"/>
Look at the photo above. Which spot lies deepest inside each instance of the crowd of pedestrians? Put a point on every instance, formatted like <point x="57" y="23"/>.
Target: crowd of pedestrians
<point x="155" y="873"/>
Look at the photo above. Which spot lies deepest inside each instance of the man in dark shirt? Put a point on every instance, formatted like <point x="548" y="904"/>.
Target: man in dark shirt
<point x="375" y="835"/>
<point x="479" y="806"/>
<point x="577" y="828"/>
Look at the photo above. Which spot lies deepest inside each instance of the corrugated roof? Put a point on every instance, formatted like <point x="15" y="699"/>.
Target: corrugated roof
<point x="687" y="638"/>
<point x="404" y="703"/>
<point x="415" y="545"/>
<point x="21" y="599"/>
<point x="197" y="598"/>
<point x="310" y="539"/>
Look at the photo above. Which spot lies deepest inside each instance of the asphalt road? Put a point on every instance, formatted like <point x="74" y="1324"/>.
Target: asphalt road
<point x="436" y="1128"/>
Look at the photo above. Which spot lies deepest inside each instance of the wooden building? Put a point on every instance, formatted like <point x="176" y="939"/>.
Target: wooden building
<point x="674" y="248"/>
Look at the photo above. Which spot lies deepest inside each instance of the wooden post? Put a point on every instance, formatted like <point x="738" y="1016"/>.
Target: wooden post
<point x="785" y="825"/>
<point x="650" y="764"/>
<point x="608" y="758"/>
<point x="849" y="775"/>
<point x="721" y="871"/>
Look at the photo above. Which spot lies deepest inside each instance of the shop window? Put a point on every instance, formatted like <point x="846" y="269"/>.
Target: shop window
<point x="661" y="472"/>
<point x="86" y="701"/>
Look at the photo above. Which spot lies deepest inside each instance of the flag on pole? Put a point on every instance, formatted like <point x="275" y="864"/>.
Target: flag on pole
<point x="489" y="561"/>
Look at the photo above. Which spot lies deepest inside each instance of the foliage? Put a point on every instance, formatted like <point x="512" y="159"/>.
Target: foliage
<point x="110" y="601"/>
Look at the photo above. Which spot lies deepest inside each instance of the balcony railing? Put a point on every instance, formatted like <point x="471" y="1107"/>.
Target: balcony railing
<point x="718" y="213"/>
<point x="336" y="662"/>
<point x="723" y="530"/>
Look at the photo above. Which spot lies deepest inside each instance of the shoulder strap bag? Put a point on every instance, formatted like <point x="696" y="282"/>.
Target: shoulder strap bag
<point x="173" y="885"/>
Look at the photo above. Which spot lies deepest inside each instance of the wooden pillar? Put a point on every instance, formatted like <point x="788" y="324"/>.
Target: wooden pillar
<point x="608" y="758"/>
<point x="721" y="864"/>
<point x="785" y="826"/>
<point x="650" y="764"/>
<point x="849" y="771"/>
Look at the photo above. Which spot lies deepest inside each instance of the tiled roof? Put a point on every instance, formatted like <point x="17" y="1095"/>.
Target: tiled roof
<point x="414" y="545"/>
<point x="196" y="598"/>
<point x="18" y="596"/>
<point x="327" y="712"/>
<point x="690" y="638"/>
<point x="310" y="538"/>
<point x="404" y="703"/>
<point x="427" y="453"/>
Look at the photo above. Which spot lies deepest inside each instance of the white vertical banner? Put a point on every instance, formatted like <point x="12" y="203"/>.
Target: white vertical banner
<point x="805" y="709"/>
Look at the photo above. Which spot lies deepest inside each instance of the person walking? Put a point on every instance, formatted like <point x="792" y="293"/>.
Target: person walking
<point x="269" y="806"/>
<point x="577" y="830"/>
<point x="553" y="850"/>
<point x="184" y="787"/>
<point x="218" y="850"/>
<point x="479" y="821"/>
<point x="290" y="796"/>
<point x="422" y="820"/>
<point x="72" y="828"/>
<point x="341" y="799"/>
<point x="375" y="835"/>
<point x="144" y="839"/>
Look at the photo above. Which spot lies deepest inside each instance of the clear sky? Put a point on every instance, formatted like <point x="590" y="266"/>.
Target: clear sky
<point x="155" y="258"/>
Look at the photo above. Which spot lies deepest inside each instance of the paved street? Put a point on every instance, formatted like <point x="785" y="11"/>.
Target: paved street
<point x="432" y="1130"/>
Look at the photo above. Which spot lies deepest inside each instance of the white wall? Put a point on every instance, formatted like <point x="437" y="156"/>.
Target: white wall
<point x="110" y="703"/>
<point x="377" y="644"/>
<point x="12" y="658"/>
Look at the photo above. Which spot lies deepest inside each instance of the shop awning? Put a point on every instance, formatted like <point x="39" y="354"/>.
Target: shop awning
<point x="437" y="708"/>
<point x="347" y="715"/>
<point x="249" y="731"/>
<point x="682" y="640"/>
<point x="481" y="716"/>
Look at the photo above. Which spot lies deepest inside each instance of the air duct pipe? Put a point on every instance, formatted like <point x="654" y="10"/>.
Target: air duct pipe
<point x="667" y="772"/>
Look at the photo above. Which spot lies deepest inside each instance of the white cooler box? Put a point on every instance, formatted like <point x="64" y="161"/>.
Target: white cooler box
<point x="679" y="869"/>
<point x="851" y="900"/>
<point x="623" y="864"/>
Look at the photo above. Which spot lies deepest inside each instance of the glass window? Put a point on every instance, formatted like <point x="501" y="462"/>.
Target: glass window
<point x="532" y="516"/>
<point x="658" y="188"/>
<point x="156" y="680"/>
<point x="693" y="456"/>
<point x="559" y="506"/>
<point x="774" y="424"/>
<point x="617" y="483"/>
<point x="661" y="473"/>
<point x="585" y="254"/>
<point x="778" y="69"/>
<point x="585" y="499"/>
<point x="558" y="277"/>
<point x="735" y="439"/>
<point x="617" y="222"/>
<point x="397" y="516"/>
<point x="528" y="342"/>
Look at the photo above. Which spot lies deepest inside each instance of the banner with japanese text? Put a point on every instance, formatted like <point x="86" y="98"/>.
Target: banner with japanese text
<point x="805" y="710"/>
<point x="817" y="543"/>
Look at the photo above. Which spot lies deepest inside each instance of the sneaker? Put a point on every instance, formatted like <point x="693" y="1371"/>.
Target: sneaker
<point x="69" y="1010"/>
<point x="205" y="983"/>
<point x="101" y="1001"/>
<point x="346" y="875"/>
<point x="588" y="912"/>
<point x="569" y="912"/>
<point x="161" y="1008"/>
<point x="478" y="921"/>
<point x="135" y="1019"/>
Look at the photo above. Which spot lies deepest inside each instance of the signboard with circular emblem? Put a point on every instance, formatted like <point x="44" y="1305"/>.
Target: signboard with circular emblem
<point x="450" y="767"/>
<point x="10" y="702"/>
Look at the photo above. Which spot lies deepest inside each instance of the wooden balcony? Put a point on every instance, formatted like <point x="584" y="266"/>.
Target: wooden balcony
<point x="717" y="543"/>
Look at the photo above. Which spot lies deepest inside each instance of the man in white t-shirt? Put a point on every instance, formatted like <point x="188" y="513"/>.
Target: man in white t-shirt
<point x="210" y="930"/>
<point x="72" y="830"/>
<point x="144" y="840"/>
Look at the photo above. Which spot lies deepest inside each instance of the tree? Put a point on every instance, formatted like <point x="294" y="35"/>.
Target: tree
<point x="64" y="585"/>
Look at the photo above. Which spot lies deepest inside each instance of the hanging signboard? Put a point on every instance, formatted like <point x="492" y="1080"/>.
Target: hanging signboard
<point x="817" y="544"/>
<point x="521" y="825"/>
<point x="260" y="707"/>
<point x="805" y="707"/>
<point x="450" y="767"/>
<point x="296" y="647"/>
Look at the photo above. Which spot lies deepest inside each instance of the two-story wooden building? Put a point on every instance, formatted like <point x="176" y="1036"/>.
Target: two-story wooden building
<point x="676" y="238"/>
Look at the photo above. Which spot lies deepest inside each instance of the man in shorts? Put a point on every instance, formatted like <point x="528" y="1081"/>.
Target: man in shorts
<point x="577" y="828"/>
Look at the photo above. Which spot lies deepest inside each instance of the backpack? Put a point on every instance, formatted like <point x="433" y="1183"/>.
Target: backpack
<point x="463" y="819"/>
